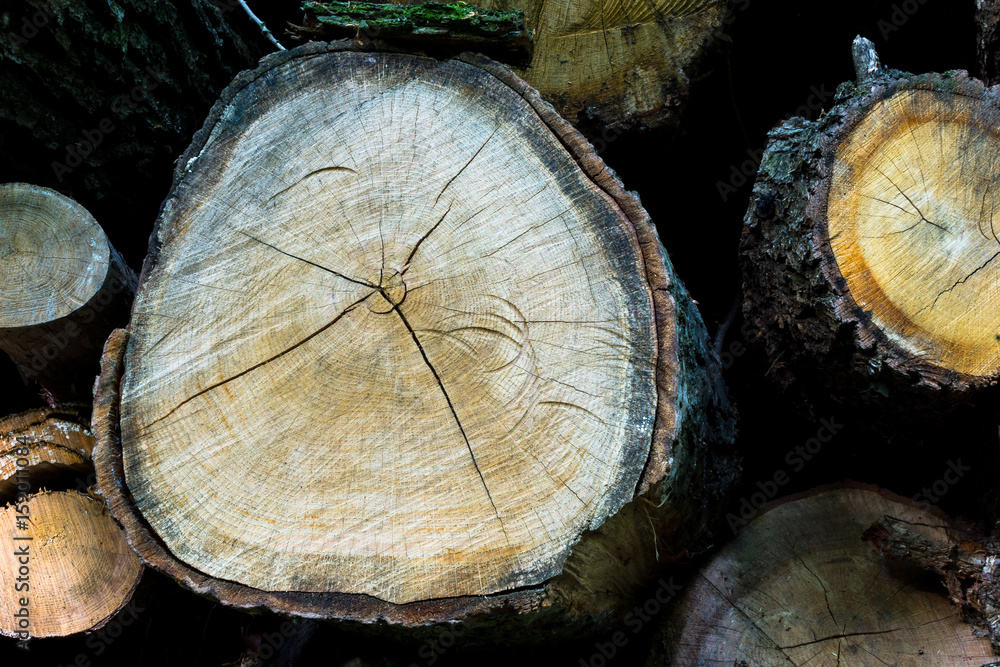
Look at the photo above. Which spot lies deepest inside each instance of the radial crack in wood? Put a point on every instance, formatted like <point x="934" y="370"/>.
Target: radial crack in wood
<point x="911" y="221"/>
<point x="403" y="344"/>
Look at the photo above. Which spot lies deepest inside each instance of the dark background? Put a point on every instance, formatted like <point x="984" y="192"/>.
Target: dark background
<point x="780" y="54"/>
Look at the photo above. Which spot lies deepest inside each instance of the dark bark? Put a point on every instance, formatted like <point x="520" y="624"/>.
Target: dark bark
<point x="436" y="27"/>
<point x="965" y="560"/>
<point x="988" y="40"/>
<point x="100" y="97"/>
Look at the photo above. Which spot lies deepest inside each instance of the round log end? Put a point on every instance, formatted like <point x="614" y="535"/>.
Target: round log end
<point x="67" y="564"/>
<point x="65" y="289"/>
<point x="440" y="368"/>
<point x="869" y="252"/>
<point x="55" y="255"/>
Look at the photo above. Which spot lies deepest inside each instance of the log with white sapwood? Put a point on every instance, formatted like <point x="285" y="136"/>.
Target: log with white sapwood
<point x="870" y="246"/>
<point x="404" y="350"/>
<point x="799" y="586"/>
<point x="65" y="289"/>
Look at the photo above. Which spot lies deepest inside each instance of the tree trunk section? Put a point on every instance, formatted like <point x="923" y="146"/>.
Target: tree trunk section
<point x="45" y="448"/>
<point x="66" y="288"/>
<point x="798" y="585"/>
<point x="966" y="562"/>
<point x="413" y="355"/>
<point x="613" y="67"/>
<point x="126" y="84"/>
<point x="869" y="248"/>
<point x="66" y="564"/>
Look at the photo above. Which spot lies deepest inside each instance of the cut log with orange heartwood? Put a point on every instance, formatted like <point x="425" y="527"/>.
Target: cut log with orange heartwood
<point x="871" y="249"/>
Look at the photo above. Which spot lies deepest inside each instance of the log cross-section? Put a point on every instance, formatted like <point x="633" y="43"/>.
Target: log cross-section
<point x="65" y="289"/>
<point x="871" y="250"/>
<point x="400" y="338"/>
<point x="914" y="217"/>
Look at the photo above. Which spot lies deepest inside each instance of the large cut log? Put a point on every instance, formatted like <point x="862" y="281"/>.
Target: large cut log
<point x="798" y="586"/>
<point x="609" y="67"/>
<point x="871" y="242"/>
<point x="125" y="85"/>
<point x="404" y="349"/>
<point x="65" y="289"/>
<point x="48" y="448"/>
<point x="65" y="566"/>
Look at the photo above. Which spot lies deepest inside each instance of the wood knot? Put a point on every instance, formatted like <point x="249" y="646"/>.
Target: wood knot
<point x="391" y="293"/>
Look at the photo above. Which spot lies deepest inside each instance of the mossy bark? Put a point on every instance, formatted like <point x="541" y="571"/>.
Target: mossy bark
<point x="435" y="26"/>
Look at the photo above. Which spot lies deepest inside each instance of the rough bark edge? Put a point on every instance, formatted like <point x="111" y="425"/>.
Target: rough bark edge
<point x="441" y="28"/>
<point x="816" y="324"/>
<point x="556" y="599"/>
<point x="47" y="474"/>
<point x="78" y="413"/>
<point x="965" y="561"/>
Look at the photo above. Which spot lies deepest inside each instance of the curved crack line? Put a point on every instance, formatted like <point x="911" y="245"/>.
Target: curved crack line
<point x="309" y="175"/>
<point x="959" y="282"/>
<point x="266" y="361"/>
<point x="318" y="266"/>
<point x="454" y="414"/>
